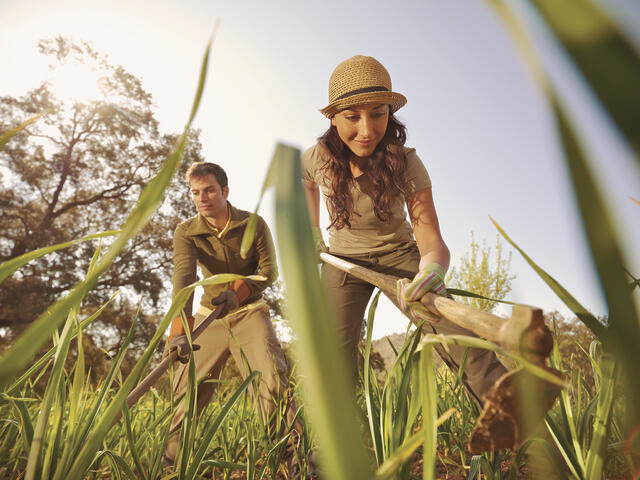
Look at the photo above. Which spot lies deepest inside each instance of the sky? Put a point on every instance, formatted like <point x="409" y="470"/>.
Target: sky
<point x="474" y="114"/>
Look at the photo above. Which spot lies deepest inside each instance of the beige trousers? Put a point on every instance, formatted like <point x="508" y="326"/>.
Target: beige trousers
<point x="249" y="332"/>
<point x="350" y="297"/>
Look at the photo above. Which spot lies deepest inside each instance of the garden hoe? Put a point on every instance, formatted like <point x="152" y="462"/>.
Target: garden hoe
<point x="515" y="405"/>
<point x="148" y="381"/>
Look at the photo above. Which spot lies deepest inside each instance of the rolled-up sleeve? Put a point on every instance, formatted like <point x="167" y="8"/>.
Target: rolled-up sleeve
<point x="308" y="165"/>
<point x="416" y="176"/>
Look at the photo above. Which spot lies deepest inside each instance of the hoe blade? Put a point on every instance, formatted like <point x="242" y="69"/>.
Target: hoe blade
<point x="514" y="407"/>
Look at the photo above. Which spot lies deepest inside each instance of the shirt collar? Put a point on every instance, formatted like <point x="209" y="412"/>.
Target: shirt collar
<point x="200" y="226"/>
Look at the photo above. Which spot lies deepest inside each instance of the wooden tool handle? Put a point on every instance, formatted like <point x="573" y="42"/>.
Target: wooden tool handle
<point x="148" y="381"/>
<point x="481" y="323"/>
<point x="524" y="333"/>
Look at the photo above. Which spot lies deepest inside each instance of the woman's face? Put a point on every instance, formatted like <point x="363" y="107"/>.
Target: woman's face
<point x="362" y="127"/>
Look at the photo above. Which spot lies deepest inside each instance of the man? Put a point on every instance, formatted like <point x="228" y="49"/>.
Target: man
<point x="211" y="240"/>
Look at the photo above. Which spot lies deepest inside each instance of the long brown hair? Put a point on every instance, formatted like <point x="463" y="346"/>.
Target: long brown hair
<point x="386" y="169"/>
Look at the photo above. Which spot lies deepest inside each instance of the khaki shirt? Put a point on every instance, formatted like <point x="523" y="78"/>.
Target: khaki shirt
<point x="196" y="243"/>
<point x="367" y="233"/>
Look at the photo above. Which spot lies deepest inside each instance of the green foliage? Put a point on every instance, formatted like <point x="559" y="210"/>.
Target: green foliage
<point x="328" y="392"/>
<point x="587" y="424"/>
<point x="587" y="37"/>
<point x="608" y="60"/>
<point x="482" y="275"/>
<point x="392" y="408"/>
<point x="240" y="443"/>
<point x="574" y="340"/>
<point x="133" y="447"/>
<point x="10" y="266"/>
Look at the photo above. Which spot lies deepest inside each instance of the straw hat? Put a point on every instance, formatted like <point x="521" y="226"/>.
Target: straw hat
<point x="359" y="80"/>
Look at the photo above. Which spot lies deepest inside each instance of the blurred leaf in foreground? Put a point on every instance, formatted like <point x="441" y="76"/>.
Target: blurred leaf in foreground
<point x="606" y="58"/>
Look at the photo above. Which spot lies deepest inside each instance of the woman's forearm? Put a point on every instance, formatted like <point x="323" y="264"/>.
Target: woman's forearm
<point x="439" y="255"/>
<point x="312" y="194"/>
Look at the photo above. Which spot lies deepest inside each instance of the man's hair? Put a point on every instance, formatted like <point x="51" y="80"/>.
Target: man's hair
<point x="202" y="169"/>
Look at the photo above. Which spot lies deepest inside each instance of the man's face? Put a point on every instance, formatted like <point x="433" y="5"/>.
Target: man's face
<point x="210" y="199"/>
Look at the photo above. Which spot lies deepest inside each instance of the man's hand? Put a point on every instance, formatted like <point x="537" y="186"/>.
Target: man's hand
<point x="180" y="343"/>
<point x="229" y="300"/>
<point x="408" y="294"/>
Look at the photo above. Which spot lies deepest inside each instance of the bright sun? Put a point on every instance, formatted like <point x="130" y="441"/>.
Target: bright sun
<point x="76" y="82"/>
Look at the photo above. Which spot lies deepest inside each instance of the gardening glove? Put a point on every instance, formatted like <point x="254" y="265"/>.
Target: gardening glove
<point x="229" y="301"/>
<point x="408" y="294"/>
<point x="180" y="343"/>
<point x="177" y="330"/>
<point x="318" y="241"/>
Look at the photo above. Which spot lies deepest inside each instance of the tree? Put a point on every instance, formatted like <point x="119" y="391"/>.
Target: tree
<point x="477" y="273"/>
<point x="79" y="170"/>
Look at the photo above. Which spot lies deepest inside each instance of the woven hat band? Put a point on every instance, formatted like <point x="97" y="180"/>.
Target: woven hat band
<point x="362" y="90"/>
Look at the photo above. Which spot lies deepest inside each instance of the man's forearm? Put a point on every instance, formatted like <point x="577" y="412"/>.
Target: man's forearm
<point x="184" y="267"/>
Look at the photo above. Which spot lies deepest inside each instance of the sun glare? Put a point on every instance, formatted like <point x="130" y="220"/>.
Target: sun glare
<point x="76" y="82"/>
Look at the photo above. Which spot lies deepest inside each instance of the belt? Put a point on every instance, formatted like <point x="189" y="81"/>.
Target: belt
<point x="205" y="311"/>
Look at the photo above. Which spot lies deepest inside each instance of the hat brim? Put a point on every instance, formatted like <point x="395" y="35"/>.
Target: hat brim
<point x="393" y="99"/>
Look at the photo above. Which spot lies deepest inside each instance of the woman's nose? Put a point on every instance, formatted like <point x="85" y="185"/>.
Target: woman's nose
<point x="365" y="127"/>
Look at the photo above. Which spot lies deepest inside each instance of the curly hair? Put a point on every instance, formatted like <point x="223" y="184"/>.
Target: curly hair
<point x="386" y="169"/>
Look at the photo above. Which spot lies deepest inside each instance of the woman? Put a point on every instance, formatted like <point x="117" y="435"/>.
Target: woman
<point x="367" y="176"/>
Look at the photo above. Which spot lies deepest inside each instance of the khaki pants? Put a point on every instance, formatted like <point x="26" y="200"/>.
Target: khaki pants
<point x="350" y="297"/>
<point x="245" y="331"/>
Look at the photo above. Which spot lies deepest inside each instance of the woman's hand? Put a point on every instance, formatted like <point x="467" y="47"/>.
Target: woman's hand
<point x="318" y="241"/>
<point x="408" y="294"/>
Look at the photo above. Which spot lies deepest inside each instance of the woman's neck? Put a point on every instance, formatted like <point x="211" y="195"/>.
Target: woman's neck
<point x="358" y="165"/>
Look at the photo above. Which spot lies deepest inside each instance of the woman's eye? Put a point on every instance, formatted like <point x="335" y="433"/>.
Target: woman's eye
<point x="352" y="118"/>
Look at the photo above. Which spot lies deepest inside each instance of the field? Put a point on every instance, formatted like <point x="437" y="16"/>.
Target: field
<point x="240" y="447"/>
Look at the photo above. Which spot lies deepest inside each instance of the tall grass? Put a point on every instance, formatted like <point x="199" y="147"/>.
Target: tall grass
<point x="609" y="50"/>
<point x="328" y="391"/>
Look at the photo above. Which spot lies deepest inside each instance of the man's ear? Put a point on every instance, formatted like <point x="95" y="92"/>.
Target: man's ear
<point x="225" y="192"/>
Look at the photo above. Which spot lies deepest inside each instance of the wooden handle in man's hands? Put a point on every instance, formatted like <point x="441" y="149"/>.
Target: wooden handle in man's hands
<point x="148" y="381"/>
